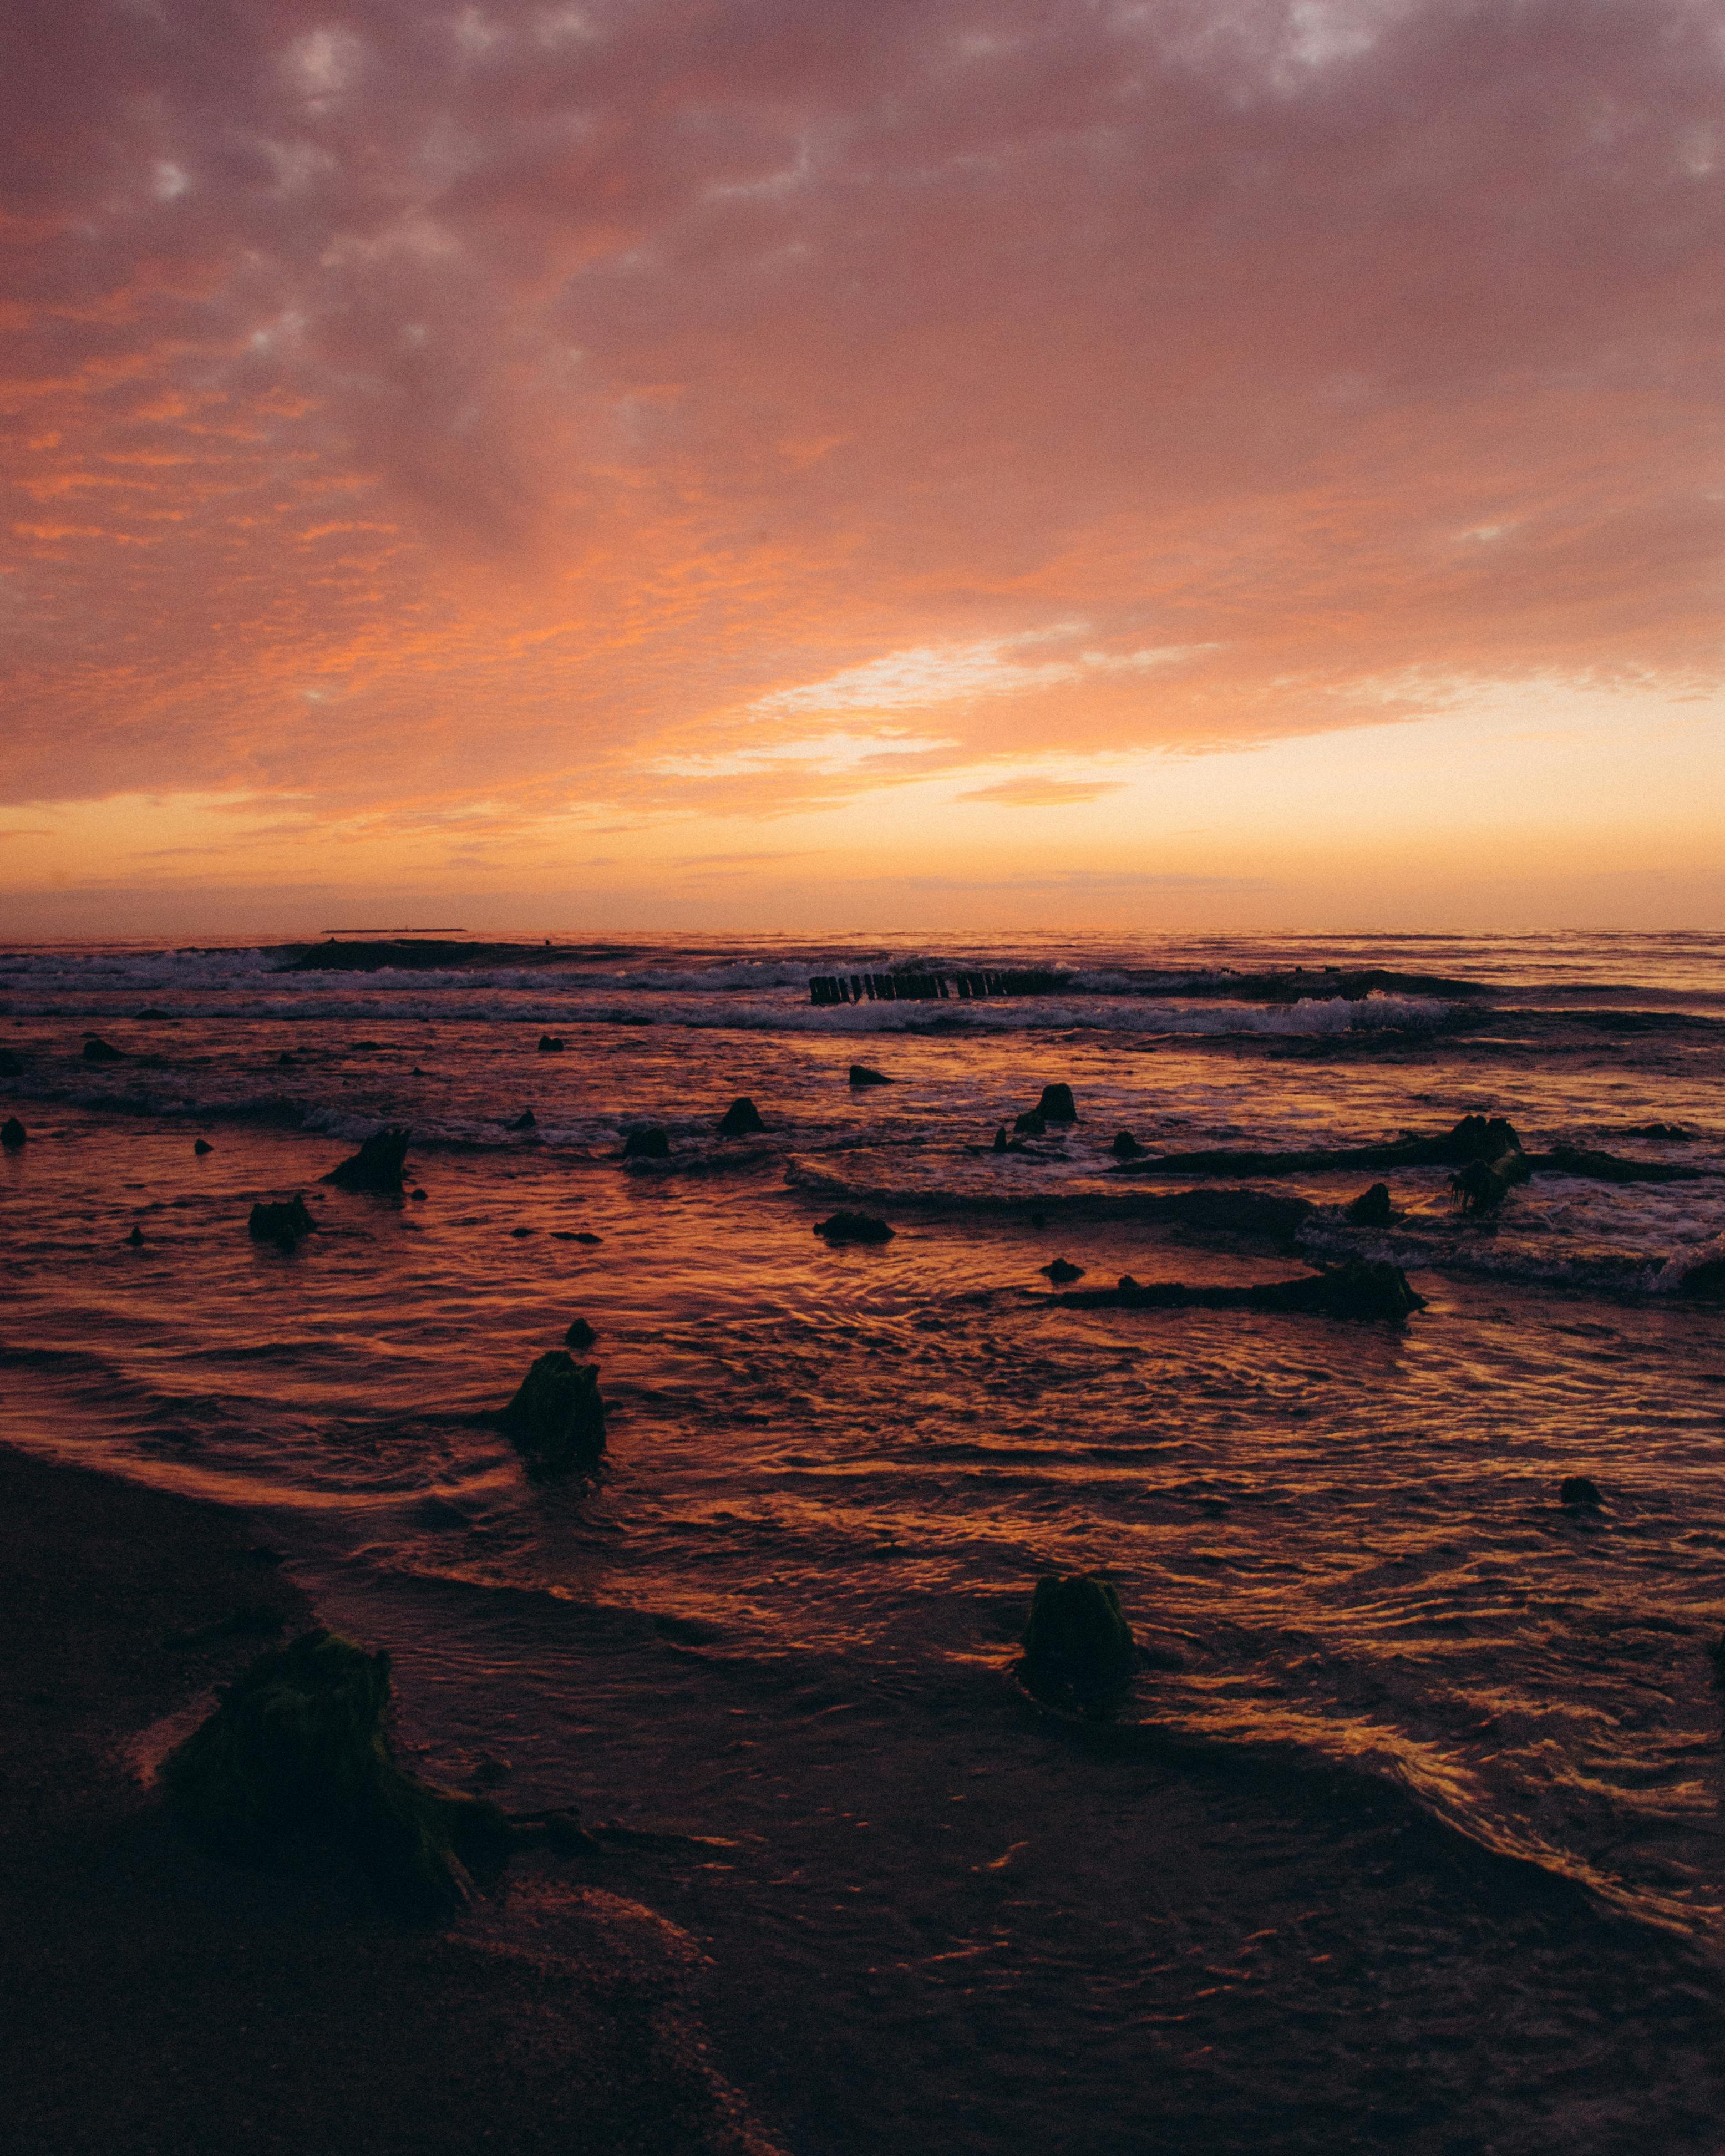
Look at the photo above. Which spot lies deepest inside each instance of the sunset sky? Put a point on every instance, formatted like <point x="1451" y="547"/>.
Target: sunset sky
<point x="784" y="464"/>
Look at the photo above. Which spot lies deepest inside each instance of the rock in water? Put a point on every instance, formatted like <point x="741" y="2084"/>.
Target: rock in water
<point x="1579" y="1494"/>
<point x="136" y="1239"/>
<point x="1371" y="1209"/>
<point x="550" y="1044"/>
<point x="1000" y="1138"/>
<point x="202" y="1146"/>
<point x="580" y="1334"/>
<point x="10" y="1065"/>
<point x="649" y="1142"/>
<point x="97" y="1050"/>
<point x="378" y="1164"/>
<point x="1062" y="1271"/>
<point x="526" y="1120"/>
<point x="854" y="1228"/>
<point x="557" y="1420"/>
<point x="860" y="1075"/>
<point x="282" y="1221"/>
<point x="1056" y="1105"/>
<point x="740" y="1120"/>
<point x="1078" y="1645"/>
<point x="1031" y="1123"/>
<point x="1125" y="1146"/>
<point x="12" y="1134"/>
<point x="296" y="1752"/>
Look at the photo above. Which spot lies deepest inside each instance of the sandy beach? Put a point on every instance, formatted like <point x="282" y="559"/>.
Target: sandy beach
<point x="156" y="2000"/>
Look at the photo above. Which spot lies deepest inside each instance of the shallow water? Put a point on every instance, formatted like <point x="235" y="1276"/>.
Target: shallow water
<point x="1431" y="1754"/>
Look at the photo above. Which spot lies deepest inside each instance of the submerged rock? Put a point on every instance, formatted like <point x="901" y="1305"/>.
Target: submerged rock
<point x="844" y="1227"/>
<point x="98" y="1050"/>
<point x="1672" y="1133"/>
<point x="12" y="1064"/>
<point x="526" y="1120"/>
<point x="580" y="1334"/>
<point x="1061" y="1271"/>
<point x="1000" y="1142"/>
<point x="648" y="1142"/>
<point x="1032" y="1123"/>
<point x="378" y="1164"/>
<point x="1578" y="1493"/>
<point x="557" y="1420"/>
<point x="281" y="1221"/>
<point x="201" y="1145"/>
<point x="1371" y="1209"/>
<point x="1359" y="1287"/>
<point x="296" y="1753"/>
<point x="860" y="1075"/>
<point x="1078" y="1645"/>
<point x="740" y="1120"/>
<point x="136" y="1239"/>
<point x="1125" y="1146"/>
<point x="1056" y="1105"/>
<point x="550" y="1044"/>
<point x="12" y="1134"/>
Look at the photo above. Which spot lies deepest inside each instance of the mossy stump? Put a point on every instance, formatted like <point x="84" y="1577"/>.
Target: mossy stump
<point x="1079" y="1648"/>
<point x="297" y="1754"/>
<point x="557" y="1420"/>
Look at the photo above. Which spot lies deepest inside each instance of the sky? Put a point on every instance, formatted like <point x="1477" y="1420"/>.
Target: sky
<point x="780" y="465"/>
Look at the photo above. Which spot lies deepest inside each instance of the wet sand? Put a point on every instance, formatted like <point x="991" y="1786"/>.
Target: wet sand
<point x="156" y="2000"/>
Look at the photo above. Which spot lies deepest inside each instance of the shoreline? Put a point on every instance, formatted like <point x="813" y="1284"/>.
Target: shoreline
<point x="157" y="2000"/>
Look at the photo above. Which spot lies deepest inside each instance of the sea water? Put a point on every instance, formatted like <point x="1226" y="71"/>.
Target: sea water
<point x="1411" y="1835"/>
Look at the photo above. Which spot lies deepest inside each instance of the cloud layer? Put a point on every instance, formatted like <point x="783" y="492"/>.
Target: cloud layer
<point x="423" y="410"/>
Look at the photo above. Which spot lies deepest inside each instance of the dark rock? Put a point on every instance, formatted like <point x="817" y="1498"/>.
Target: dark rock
<point x="1039" y="1219"/>
<point x="1125" y="1146"/>
<point x="580" y="1334"/>
<point x="740" y="1120"/>
<point x="557" y="1420"/>
<point x="12" y="1064"/>
<point x="296" y="1752"/>
<point x="201" y="1145"/>
<point x="1031" y="1123"/>
<point x="12" y="1134"/>
<point x="97" y="1050"/>
<point x="417" y="1197"/>
<point x="136" y="1239"/>
<point x="488" y="1771"/>
<point x="648" y="1142"/>
<point x="860" y="1075"/>
<point x="1056" y="1105"/>
<point x="254" y="1621"/>
<point x="519" y="1234"/>
<point x="1579" y="1494"/>
<point x="1000" y="1139"/>
<point x="378" y="1164"/>
<point x="282" y="1221"/>
<point x="416" y="1072"/>
<point x="1360" y="1287"/>
<point x="550" y="1044"/>
<point x="357" y="1045"/>
<point x="1371" y="1209"/>
<point x="1672" y="1133"/>
<point x="285" y="1057"/>
<point x="1062" y="1271"/>
<point x="844" y="1227"/>
<point x="1078" y="1645"/>
<point x="586" y="1236"/>
<point x="526" y="1120"/>
<point x="152" y="1013"/>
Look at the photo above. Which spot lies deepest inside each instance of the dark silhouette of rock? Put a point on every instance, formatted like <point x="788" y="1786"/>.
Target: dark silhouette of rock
<point x="521" y="1234"/>
<point x="526" y="1120"/>
<point x="1371" y="1209"/>
<point x="12" y="1065"/>
<point x="580" y="1334"/>
<point x="97" y="1050"/>
<point x="1056" y="1105"/>
<point x="649" y="1142"/>
<point x="860" y="1075"/>
<point x="586" y="1236"/>
<point x="1063" y="1270"/>
<point x="1125" y="1146"/>
<point x="1672" y="1133"/>
<point x="1078" y="1645"/>
<point x="378" y="1164"/>
<point x="201" y="1145"/>
<point x="12" y="1134"/>
<point x="297" y="1753"/>
<point x="1487" y="1179"/>
<point x="1031" y="1123"/>
<point x="843" y="1227"/>
<point x="1000" y="1139"/>
<point x="740" y="1120"/>
<point x="136" y="1239"/>
<point x="550" y="1044"/>
<point x="152" y="1013"/>
<point x="285" y="1057"/>
<point x="359" y="1046"/>
<point x="281" y="1221"/>
<point x="1359" y="1287"/>
<point x="1579" y="1494"/>
<point x="488" y="1771"/>
<point x="417" y="1197"/>
<point x="557" y="1420"/>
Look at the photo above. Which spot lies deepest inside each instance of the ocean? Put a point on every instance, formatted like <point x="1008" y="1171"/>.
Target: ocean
<point x="1409" y="1833"/>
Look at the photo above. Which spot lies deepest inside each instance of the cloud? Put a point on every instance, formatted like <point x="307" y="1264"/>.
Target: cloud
<point x="1035" y="792"/>
<point x="428" y="405"/>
